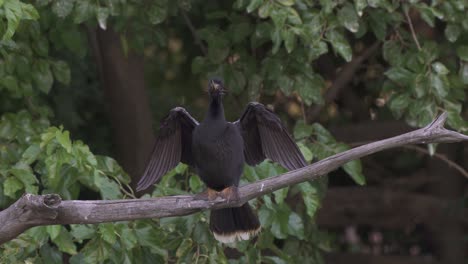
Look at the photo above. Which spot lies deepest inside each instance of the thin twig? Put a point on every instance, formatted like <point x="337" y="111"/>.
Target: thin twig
<point x="413" y="33"/>
<point x="342" y="80"/>
<point x="194" y="32"/>
<point x="442" y="157"/>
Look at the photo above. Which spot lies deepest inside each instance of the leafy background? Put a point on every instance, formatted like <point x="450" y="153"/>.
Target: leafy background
<point x="55" y="133"/>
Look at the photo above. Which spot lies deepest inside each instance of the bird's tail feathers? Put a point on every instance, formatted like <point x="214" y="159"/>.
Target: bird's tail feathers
<point x="234" y="224"/>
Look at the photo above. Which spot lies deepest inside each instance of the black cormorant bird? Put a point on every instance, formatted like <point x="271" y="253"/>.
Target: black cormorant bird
<point x="218" y="149"/>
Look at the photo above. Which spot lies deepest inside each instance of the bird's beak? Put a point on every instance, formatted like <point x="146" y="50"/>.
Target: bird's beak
<point x="214" y="86"/>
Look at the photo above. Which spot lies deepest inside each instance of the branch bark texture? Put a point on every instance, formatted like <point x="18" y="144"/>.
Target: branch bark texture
<point x="35" y="210"/>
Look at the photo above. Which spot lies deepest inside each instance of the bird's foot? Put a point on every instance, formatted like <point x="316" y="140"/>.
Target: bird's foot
<point x="208" y="194"/>
<point x="230" y="193"/>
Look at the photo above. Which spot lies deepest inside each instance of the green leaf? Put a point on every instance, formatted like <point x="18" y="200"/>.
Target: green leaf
<point x="157" y="13"/>
<point x="452" y="32"/>
<point x="317" y="49"/>
<point x="108" y="189"/>
<point x="286" y="2"/>
<point x="308" y="156"/>
<point x="31" y="154"/>
<point x="266" y="216"/>
<point x="420" y="85"/>
<point x="266" y="10"/>
<point x="42" y="76"/>
<point x="10" y="83"/>
<point x="24" y="173"/>
<point x="400" y="75"/>
<point x="234" y="79"/>
<point x="309" y="88"/>
<point x="348" y="18"/>
<point x="82" y="232"/>
<point x="354" y="169"/>
<point x="240" y="31"/>
<point x="107" y="232"/>
<point x="128" y="238"/>
<point x="53" y="231"/>
<point x="280" y="195"/>
<point x="62" y="8"/>
<point x="65" y="243"/>
<point x="392" y="53"/>
<point x="279" y="17"/>
<point x="454" y="118"/>
<point x="23" y="67"/>
<point x="463" y="73"/>
<point x="184" y="248"/>
<point x="10" y="186"/>
<point x="378" y="24"/>
<point x="83" y="12"/>
<point x="462" y="52"/>
<point x="50" y="254"/>
<point x="41" y="46"/>
<point x="310" y="197"/>
<point x="102" y="14"/>
<point x="289" y="40"/>
<point x="293" y="17"/>
<point x="295" y="225"/>
<point x="322" y="134"/>
<point x="302" y="130"/>
<point x="64" y="139"/>
<point x="195" y="183"/>
<point x="150" y="237"/>
<point x="61" y="72"/>
<point x="276" y="39"/>
<point x="273" y="260"/>
<point x="399" y="103"/>
<point x="254" y="4"/>
<point x="13" y="14"/>
<point x="280" y="225"/>
<point x="218" y="50"/>
<point x="340" y="44"/>
<point x="74" y="40"/>
<point x="440" y="85"/>
<point x="440" y="68"/>
<point x="360" y="5"/>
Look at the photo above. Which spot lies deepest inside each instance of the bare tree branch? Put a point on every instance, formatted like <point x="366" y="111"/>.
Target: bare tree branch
<point x="34" y="210"/>
<point x="343" y="79"/>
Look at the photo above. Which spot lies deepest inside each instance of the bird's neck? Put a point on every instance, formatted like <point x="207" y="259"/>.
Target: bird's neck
<point x="215" y="110"/>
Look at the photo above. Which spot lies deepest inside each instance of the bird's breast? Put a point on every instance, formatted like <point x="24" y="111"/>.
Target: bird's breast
<point x="219" y="158"/>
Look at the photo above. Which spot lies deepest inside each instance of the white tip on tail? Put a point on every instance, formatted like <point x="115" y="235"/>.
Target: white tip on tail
<point x="236" y="236"/>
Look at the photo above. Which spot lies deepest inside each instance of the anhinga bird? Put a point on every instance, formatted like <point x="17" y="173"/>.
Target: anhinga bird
<point x="218" y="149"/>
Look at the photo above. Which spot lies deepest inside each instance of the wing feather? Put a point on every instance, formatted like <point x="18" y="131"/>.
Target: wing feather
<point x="266" y="137"/>
<point x="173" y="145"/>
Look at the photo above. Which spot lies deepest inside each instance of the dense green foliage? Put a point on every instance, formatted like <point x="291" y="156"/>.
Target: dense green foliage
<point x="259" y="47"/>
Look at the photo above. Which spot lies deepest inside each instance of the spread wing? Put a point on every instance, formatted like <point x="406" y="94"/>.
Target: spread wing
<point x="266" y="137"/>
<point x="173" y="145"/>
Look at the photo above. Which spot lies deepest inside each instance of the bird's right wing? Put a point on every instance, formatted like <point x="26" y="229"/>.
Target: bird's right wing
<point x="266" y="137"/>
<point x="173" y="145"/>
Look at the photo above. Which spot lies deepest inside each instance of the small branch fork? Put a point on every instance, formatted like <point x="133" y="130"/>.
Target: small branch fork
<point x="36" y="210"/>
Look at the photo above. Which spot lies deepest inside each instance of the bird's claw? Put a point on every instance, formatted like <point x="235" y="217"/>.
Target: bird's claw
<point x="208" y="194"/>
<point x="229" y="194"/>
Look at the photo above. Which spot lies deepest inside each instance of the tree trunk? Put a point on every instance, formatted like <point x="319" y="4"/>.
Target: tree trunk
<point x="123" y="82"/>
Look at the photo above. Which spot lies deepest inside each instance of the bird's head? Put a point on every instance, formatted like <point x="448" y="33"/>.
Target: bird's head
<point x="216" y="88"/>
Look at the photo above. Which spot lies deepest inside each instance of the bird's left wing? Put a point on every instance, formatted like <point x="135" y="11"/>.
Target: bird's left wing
<point x="173" y="145"/>
<point x="266" y="137"/>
